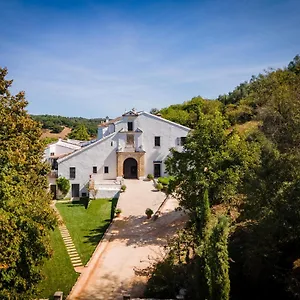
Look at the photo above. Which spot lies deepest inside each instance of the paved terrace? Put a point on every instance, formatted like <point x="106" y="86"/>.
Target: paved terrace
<point x="130" y="245"/>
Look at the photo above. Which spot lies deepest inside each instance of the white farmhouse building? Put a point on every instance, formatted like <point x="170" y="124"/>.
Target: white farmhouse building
<point x="131" y="146"/>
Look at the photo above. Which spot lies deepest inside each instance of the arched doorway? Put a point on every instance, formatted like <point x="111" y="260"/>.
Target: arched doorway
<point x="130" y="168"/>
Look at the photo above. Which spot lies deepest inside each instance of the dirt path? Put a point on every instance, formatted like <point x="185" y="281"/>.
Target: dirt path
<point x="131" y="244"/>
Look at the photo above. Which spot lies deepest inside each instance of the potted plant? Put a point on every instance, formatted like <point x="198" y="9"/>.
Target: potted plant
<point x="149" y="212"/>
<point x="118" y="212"/>
<point x="150" y="177"/>
<point x="159" y="186"/>
<point x="123" y="188"/>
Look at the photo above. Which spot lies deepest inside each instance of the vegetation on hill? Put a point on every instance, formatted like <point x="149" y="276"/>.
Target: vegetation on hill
<point x="247" y="179"/>
<point x="57" y="123"/>
<point x="26" y="217"/>
<point x="79" y="133"/>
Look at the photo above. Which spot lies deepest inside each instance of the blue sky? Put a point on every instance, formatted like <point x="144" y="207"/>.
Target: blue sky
<point x="98" y="58"/>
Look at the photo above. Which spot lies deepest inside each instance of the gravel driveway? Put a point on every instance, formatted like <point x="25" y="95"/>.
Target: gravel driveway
<point x="131" y="243"/>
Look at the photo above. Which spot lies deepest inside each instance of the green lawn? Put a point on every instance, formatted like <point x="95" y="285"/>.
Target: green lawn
<point x="87" y="226"/>
<point x="58" y="271"/>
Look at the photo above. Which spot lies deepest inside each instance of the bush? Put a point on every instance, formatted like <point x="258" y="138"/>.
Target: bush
<point x="149" y="211"/>
<point x="165" y="180"/>
<point x="63" y="185"/>
<point x="118" y="211"/>
<point x="150" y="176"/>
<point x="159" y="186"/>
<point x="123" y="188"/>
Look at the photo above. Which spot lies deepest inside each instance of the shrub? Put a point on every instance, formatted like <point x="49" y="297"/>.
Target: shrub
<point x="159" y="186"/>
<point x="123" y="188"/>
<point x="118" y="210"/>
<point x="149" y="211"/>
<point x="163" y="180"/>
<point x="150" y="176"/>
<point x="63" y="185"/>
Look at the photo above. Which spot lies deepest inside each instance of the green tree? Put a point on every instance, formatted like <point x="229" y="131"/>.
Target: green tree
<point x="79" y="133"/>
<point x="25" y="213"/>
<point x="63" y="185"/>
<point x="214" y="159"/>
<point x="218" y="261"/>
<point x="266" y="250"/>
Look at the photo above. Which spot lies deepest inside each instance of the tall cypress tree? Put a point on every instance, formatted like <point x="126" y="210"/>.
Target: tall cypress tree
<point x="218" y="261"/>
<point x="25" y="213"/>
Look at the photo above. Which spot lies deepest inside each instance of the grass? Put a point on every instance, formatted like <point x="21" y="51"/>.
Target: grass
<point x="87" y="226"/>
<point x="58" y="271"/>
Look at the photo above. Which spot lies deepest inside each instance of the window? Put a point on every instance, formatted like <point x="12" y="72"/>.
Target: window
<point x="52" y="154"/>
<point x="130" y="126"/>
<point x="112" y="143"/>
<point x="106" y="169"/>
<point x="182" y="140"/>
<point x="72" y="172"/>
<point x="95" y="169"/>
<point x="157" y="141"/>
<point x="130" y="139"/>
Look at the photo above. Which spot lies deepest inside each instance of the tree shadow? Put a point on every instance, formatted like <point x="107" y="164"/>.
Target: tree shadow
<point x="140" y="231"/>
<point x="110" y="286"/>
<point x="81" y="202"/>
<point x="96" y="234"/>
<point x="114" y="202"/>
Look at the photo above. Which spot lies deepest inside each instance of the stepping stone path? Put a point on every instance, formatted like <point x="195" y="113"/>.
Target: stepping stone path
<point x="75" y="258"/>
<point x="72" y="252"/>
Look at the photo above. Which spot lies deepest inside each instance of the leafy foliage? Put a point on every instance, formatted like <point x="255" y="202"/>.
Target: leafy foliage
<point x="63" y="185"/>
<point x="57" y="123"/>
<point x="189" y="112"/>
<point x="255" y="177"/>
<point x="214" y="159"/>
<point x="26" y="216"/>
<point x="79" y="133"/>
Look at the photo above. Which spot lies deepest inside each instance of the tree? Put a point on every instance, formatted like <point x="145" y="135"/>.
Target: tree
<point x="79" y="133"/>
<point x="266" y="250"/>
<point x="25" y="213"/>
<point x="63" y="185"/>
<point x="214" y="159"/>
<point x="218" y="261"/>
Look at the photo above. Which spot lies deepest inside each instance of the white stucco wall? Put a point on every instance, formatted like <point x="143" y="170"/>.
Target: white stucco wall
<point x="99" y="154"/>
<point x="59" y="148"/>
<point x="169" y="133"/>
<point x="103" y="152"/>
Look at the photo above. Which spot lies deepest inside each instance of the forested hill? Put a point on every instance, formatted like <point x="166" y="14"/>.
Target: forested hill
<point x="247" y="102"/>
<point x="57" y="123"/>
<point x="242" y="190"/>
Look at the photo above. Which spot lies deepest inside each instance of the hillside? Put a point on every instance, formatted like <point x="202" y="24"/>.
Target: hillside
<point x="62" y="135"/>
<point x="63" y="125"/>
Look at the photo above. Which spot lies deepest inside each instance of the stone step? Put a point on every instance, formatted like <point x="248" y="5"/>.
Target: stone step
<point x="76" y="261"/>
<point x="67" y="240"/>
<point x="77" y="265"/>
<point x="65" y="234"/>
<point x="73" y="258"/>
<point x="71" y="248"/>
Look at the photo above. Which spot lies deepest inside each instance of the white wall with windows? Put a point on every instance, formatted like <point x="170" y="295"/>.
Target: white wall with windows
<point x="99" y="156"/>
<point x="159" y="135"/>
<point x="139" y="132"/>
